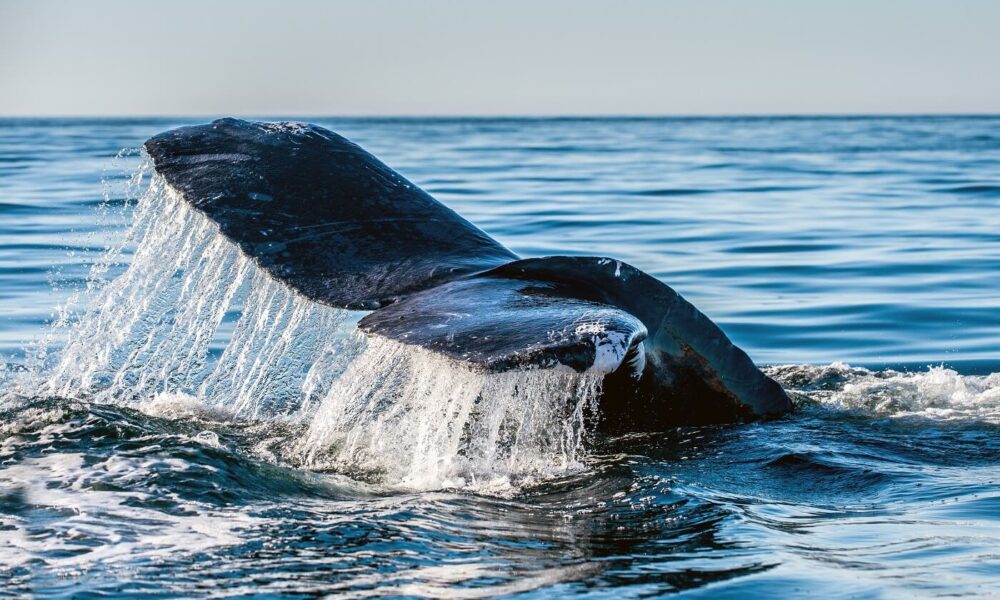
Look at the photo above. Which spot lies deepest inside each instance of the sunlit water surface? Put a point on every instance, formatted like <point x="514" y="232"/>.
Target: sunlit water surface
<point x="174" y="423"/>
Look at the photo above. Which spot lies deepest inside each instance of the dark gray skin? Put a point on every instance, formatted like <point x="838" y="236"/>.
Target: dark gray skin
<point x="332" y="222"/>
<point x="319" y="213"/>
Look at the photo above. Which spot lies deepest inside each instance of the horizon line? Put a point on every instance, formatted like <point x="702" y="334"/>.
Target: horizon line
<point x="510" y="116"/>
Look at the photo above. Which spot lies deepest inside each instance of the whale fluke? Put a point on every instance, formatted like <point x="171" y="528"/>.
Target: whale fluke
<point x="502" y="323"/>
<point x="319" y="213"/>
<point x="332" y="222"/>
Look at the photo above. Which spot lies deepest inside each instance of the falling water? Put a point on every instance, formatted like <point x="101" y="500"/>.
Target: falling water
<point x="152" y="329"/>
<point x="417" y="418"/>
<point x="193" y="320"/>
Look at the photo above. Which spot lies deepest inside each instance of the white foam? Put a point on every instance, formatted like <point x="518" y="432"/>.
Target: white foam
<point x="937" y="393"/>
<point x="89" y="525"/>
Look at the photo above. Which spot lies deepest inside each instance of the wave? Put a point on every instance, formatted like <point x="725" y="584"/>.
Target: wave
<point x="938" y="393"/>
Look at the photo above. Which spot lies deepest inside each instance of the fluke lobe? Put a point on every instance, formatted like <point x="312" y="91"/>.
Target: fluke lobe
<point x="334" y="223"/>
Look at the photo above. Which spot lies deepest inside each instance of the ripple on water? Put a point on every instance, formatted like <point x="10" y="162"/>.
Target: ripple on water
<point x="808" y="240"/>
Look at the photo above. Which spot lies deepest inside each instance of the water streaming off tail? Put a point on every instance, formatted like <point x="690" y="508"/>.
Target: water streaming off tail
<point x="186" y="291"/>
<point x="422" y="420"/>
<point x="193" y="320"/>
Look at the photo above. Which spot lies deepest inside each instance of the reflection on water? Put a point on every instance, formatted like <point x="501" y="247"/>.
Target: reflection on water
<point x="870" y="241"/>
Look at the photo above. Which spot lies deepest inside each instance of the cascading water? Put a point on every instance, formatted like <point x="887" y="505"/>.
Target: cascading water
<point x="193" y="320"/>
<point x="186" y="292"/>
<point x="868" y="240"/>
<point x="424" y="421"/>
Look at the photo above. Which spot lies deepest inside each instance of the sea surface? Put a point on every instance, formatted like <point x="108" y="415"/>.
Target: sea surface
<point x="173" y="423"/>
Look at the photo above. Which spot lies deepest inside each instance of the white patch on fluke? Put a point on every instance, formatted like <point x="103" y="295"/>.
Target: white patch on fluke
<point x="610" y="347"/>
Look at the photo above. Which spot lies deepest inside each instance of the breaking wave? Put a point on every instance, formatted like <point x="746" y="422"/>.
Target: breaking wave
<point x="937" y="393"/>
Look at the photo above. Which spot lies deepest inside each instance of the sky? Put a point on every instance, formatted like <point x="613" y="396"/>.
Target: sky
<point x="510" y="57"/>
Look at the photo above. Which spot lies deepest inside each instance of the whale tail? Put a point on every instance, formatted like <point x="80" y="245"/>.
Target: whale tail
<point x="319" y="213"/>
<point x="332" y="222"/>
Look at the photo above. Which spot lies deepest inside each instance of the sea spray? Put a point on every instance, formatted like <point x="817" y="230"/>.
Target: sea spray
<point x="188" y="321"/>
<point x="121" y="195"/>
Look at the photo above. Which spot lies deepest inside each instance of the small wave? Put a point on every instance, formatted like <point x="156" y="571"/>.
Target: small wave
<point x="12" y="209"/>
<point x="781" y="248"/>
<point x="975" y="189"/>
<point x="457" y="191"/>
<point x="816" y="470"/>
<point x="938" y="393"/>
<point x="666" y="192"/>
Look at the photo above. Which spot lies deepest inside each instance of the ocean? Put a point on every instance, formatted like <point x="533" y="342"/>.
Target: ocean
<point x="173" y="423"/>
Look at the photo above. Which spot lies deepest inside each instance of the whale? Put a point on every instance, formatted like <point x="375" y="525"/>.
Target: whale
<point x="339" y="227"/>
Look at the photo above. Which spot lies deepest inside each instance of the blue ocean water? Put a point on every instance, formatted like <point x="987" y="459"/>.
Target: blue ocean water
<point x="857" y="258"/>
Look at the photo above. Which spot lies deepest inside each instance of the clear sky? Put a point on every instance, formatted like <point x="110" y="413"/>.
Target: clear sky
<point x="498" y="57"/>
